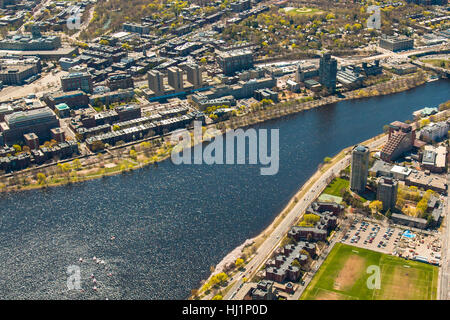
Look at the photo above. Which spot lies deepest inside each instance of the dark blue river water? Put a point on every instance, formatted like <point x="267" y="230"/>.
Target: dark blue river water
<point x="172" y="223"/>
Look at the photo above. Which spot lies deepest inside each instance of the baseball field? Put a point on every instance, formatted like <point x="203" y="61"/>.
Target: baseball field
<point x="344" y="275"/>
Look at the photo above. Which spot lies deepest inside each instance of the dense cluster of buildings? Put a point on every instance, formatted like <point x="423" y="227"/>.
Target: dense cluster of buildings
<point x="403" y="144"/>
<point x="289" y="261"/>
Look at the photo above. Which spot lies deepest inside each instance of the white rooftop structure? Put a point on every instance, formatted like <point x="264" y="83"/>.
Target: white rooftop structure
<point x="400" y="172"/>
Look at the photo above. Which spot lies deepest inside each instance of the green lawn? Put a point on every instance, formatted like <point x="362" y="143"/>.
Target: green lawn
<point x="296" y="11"/>
<point x="343" y="276"/>
<point x="335" y="187"/>
<point x="441" y="63"/>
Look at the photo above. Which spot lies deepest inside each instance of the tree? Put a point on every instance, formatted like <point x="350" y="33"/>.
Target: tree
<point x="376" y="205"/>
<point x="239" y="262"/>
<point x="326" y="159"/>
<point x="76" y="164"/>
<point x="133" y="154"/>
<point x="217" y="297"/>
<point x="41" y="178"/>
<point x="222" y="277"/>
<point x="17" y="148"/>
<point x="424" y="122"/>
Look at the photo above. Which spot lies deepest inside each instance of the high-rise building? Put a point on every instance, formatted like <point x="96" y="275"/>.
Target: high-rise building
<point x="175" y="78"/>
<point x="328" y="71"/>
<point x="401" y="139"/>
<point x="155" y="81"/>
<point x="387" y="192"/>
<point x="194" y="75"/>
<point x="360" y="168"/>
<point x="77" y="81"/>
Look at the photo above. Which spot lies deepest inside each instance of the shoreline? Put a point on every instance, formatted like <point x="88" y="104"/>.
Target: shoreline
<point x="273" y="112"/>
<point x="266" y="232"/>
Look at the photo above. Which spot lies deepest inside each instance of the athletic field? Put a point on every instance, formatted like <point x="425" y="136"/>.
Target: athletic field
<point x="302" y="11"/>
<point x="343" y="276"/>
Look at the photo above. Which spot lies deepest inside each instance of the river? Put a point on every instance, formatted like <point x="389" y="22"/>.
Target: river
<point x="171" y="223"/>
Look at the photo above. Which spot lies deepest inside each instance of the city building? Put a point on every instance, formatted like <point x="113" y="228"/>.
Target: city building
<point x="31" y="140"/>
<point x="400" y="140"/>
<point x="434" y="132"/>
<point x="74" y="99"/>
<point x="350" y="77"/>
<point x="283" y="268"/>
<point x="156" y="82"/>
<point x="396" y="43"/>
<point x="17" y="74"/>
<point x="38" y="121"/>
<point x="233" y="61"/>
<point x="359" y="168"/>
<point x="62" y="110"/>
<point x="67" y="63"/>
<point x="387" y="192"/>
<point x="119" y="80"/>
<point x="264" y="291"/>
<point x="305" y="71"/>
<point x="18" y="70"/>
<point x="194" y="75"/>
<point x="58" y="134"/>
<point x="434" y="159"/>
<point x="77" y="81"/>
<point x="409" y="221"/>
<point x="328" y="71"/>
<point x="427" y="180"/>
<point x="136" y="28"/>
<point x="175" y="78"/>
<point x="241" y="5"/>
<point x="34" y="42"/>
<point x="267" y="94"/>
<point x="372" y="69"/>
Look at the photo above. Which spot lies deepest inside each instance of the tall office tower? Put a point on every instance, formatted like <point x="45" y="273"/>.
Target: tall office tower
<point x="194" y="75"/>
<point x="387" y="192"/>
<point x="155" y="81"/>
<point x="175" y="77"/>
<point x="328" y="71"/>
<point x="360" y="168"/>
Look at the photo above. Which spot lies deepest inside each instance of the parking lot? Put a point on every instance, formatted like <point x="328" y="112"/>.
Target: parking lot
<point x="393" y="240"/>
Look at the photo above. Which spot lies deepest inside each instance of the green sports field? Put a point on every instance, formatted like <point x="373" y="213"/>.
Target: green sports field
<point x="343" y="276"/>
<point x="302" y="11"/>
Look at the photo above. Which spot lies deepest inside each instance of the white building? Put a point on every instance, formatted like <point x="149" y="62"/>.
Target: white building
<point x="434" y="131"/>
